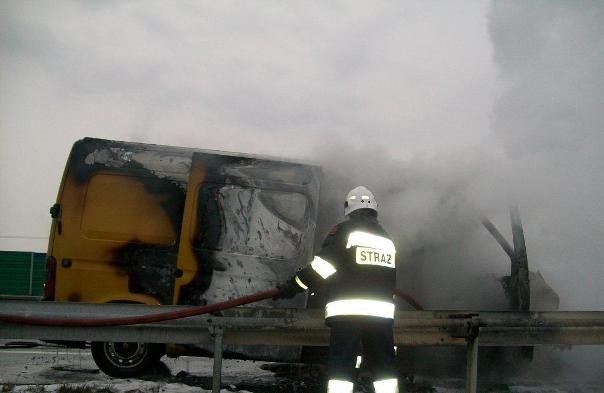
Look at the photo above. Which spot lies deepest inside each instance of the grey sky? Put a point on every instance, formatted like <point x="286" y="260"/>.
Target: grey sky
<point x="414" y="78"/>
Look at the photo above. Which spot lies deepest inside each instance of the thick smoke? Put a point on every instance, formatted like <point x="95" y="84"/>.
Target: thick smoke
<point x="446" y="258"/>
<point x="549" y="120"/>
<point x="545" y="154"/>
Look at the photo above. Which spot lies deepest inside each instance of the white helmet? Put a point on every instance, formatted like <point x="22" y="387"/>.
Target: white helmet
<point x="359" y="198"/>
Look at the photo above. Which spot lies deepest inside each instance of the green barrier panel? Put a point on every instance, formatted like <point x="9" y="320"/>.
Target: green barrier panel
<point x="21" y="273"/>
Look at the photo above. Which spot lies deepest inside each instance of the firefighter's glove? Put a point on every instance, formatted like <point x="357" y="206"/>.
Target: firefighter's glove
<point x="288" y="289"/>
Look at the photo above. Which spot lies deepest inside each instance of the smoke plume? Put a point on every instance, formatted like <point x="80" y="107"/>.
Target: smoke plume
<point x="545" y="154"/>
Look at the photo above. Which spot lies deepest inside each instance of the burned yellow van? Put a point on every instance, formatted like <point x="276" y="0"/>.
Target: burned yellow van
<point x="154" y="224"/>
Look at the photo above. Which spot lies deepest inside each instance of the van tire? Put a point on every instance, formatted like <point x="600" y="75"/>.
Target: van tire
<point x="126" y="360"/>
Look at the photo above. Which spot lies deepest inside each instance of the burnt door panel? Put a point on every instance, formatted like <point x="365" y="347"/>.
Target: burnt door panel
<point x="249" y="225"/>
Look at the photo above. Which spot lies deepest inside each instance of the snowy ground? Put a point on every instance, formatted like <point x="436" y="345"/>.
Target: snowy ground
<point x="31" y="369"/>
<point x="53" y="366"/>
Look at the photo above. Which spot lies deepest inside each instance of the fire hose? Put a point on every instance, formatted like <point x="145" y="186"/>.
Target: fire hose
<point x="409" y="299"/>
<point x="162" y="316"/>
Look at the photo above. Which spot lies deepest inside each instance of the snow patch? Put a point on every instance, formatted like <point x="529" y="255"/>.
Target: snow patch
<point x="121" y="386"/>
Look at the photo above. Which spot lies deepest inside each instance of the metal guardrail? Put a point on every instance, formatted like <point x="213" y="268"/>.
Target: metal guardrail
<point x="273" y="326"/>
<point x="21" y="297"/>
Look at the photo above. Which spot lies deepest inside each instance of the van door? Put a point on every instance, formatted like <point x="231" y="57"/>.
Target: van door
<point x="116" y="236"/>
<point x="248" y="224"/>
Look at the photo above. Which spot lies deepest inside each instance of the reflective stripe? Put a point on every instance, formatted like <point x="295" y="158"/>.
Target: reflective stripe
<point x="386" y="386"/>
<point x="338" y="386"/>
<point x="300" y="283"/>
<point x="375" y="308"/>
<point x="322" y="267"/>
<point x="365" y="239"/>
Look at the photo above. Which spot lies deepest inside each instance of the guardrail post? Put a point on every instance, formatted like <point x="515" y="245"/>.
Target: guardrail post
<point x="217" y="333"/>
<point x="472" y="364"/>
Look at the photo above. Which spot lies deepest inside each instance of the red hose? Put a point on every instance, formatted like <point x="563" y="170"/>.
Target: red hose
<point x="408" y="298"/>
<point x="162" y="316"/>
<point x="134" y="320"/>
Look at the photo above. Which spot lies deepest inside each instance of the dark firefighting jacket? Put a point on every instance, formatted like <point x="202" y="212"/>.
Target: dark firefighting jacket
<point x="357" y="265"/>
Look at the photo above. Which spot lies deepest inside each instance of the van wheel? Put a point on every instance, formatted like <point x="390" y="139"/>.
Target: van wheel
<point x="126" y="360"/>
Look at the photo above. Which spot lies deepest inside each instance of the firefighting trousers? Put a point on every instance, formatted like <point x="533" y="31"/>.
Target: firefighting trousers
<point x="371" y="338"/>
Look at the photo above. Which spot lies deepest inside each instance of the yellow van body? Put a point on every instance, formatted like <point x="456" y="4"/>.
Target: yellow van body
<point x="166" y="225"/>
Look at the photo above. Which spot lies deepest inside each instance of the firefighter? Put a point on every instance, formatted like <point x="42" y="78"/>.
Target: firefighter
<point x="356" y="264"/>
